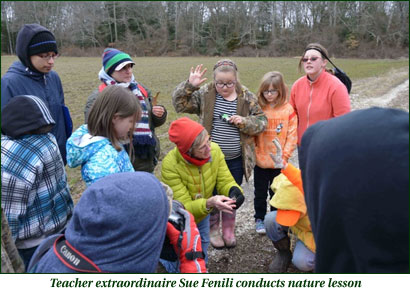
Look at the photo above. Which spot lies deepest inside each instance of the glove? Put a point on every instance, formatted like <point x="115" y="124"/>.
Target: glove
<point x="277" y="159"/>
<point x="235" y="193"/>
<point x="187" y="242"/>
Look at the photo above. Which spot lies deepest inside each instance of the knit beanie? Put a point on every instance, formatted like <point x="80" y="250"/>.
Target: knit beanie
<point x="114" y="59"/>
<point x="42" y="42"/>
<point x="24" y="114"/>
<point x="183" y="133"/>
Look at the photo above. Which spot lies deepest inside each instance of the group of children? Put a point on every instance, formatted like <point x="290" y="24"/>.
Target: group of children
<point x="255" y="133"/>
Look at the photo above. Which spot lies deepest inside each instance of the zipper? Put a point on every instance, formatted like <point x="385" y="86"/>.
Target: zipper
<point x="45" y="80"/>
<point x="310" y="103"/>
<point x="201" y="181"/>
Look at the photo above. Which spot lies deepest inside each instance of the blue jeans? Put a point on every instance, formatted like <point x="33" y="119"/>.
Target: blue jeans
<point x="236" y="168"/>
<point x="303" y="258"/>
<point x="203" y="228"/>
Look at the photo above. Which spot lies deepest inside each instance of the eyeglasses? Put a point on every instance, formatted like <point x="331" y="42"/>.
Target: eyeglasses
<point x="48" y="57"/>
<point x="272" y="92"/>
<point x="228" y="84"/>
<point x="312" y="59"/>
<point x="207" y="144"/>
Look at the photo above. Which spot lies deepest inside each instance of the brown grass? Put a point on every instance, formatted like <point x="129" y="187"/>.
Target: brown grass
<point x="79" y="76"/>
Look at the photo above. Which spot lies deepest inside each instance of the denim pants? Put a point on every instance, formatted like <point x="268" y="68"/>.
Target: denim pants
<point x="236" y="168"/>
<point x="303" y="258"/>
<point x="263" y="178"/>
<point x="203" y="228"/>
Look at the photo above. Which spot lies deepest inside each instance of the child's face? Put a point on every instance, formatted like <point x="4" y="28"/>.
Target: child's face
<point x="271" y="94"/>
<point x="122" y="125"/>
<point x="228" y="81"/>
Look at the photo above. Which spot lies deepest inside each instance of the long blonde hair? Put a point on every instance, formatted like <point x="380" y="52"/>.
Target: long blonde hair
<point x="275" y="79"/>
<point x="113" y="100"/>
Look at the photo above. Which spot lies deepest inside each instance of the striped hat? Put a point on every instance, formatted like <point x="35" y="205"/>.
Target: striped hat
<point x="114" y="59"/>
<point x="23" y="115"/>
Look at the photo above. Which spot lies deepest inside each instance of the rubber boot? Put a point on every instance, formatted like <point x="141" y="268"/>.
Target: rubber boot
<point x="214" y="234"/>
<point x="282" y="258"/>
<point x="228" y="229"/>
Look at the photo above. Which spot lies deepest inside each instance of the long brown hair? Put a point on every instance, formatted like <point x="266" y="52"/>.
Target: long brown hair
<point x="275" y="79"/>
<point x="113" y="100"/>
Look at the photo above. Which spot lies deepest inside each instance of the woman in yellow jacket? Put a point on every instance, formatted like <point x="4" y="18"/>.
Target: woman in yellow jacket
<point x="193" y="169"/>
<point x="291" y="214"/>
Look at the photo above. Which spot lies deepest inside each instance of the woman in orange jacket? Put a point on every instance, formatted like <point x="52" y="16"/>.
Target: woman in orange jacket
<point x="319" y="95"/>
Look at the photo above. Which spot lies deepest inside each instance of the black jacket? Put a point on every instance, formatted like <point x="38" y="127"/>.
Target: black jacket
<point x="355" y="171"/>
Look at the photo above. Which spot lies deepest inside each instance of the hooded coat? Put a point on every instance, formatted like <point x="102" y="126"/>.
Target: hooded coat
<point x="22" y="79"/>
<point x="35" y="194"/>
<point x="355" y="171"/>
<point x="121" y="229"/>
<point x="96" y="155"/>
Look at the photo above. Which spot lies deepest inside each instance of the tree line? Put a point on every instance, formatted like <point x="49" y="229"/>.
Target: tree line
<point x="237" y="28"/>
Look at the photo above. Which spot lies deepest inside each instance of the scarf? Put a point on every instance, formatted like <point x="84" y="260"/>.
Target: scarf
<point x="195" y="161"/>
<point x="142" y="139"/>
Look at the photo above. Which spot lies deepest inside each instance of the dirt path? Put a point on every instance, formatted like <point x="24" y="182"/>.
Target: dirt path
<point x="254" y="252"/>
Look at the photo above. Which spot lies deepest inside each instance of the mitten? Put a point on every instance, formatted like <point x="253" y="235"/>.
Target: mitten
<point x="236" y="194"/>
<point x="187" y="243"/>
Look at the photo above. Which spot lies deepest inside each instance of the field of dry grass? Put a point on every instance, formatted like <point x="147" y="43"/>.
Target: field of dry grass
<point x="162" y="74"/>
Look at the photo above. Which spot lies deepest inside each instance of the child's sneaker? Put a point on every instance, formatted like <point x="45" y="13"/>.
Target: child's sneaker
<point x="260" y="227"/>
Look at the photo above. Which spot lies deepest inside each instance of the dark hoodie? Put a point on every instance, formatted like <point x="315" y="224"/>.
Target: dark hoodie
<point x="119" y="224"/>
<point x="355" y="171"/>
<point x="22" y="79"/>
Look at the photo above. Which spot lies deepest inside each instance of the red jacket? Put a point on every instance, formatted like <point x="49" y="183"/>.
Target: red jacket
<point x="322" y="99"/>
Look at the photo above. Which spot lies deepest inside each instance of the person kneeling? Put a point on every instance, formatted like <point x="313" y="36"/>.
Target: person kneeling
<point x="291" y="214"/>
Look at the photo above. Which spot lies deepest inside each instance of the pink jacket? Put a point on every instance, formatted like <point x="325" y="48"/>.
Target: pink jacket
<point x="322" y="99"/>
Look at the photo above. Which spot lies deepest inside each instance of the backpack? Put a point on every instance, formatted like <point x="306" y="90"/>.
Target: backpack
<point x="340" y="74"/>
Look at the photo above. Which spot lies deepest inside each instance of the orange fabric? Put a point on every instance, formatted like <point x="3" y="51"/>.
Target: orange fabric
<point x="183" y="133"/>
<point x="323" y="99"/>
<point x="141" y="88"/>
<point x="282" y="123"/>
<point x="294" y="176"/>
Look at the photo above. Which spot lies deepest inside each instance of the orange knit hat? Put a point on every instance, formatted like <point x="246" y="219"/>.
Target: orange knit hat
<point x="183" y="133"/>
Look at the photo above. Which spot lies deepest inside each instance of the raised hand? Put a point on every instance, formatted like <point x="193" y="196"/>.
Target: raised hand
<point x="196" y="76"/>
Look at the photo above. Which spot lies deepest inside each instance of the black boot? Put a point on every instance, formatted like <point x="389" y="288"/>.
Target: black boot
<point x="283" y="256"/>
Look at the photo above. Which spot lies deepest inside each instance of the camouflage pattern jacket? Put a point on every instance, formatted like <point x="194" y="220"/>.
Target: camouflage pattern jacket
<point x="201" y="101"/>
<point x="11" y="261"/>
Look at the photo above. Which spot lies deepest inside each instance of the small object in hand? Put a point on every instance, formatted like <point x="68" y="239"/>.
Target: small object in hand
<point x="225" y="117"/>
<point x="154" y="100"/>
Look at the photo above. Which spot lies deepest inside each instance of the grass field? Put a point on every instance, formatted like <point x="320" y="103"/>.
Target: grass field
<point x="162" y="74"/>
